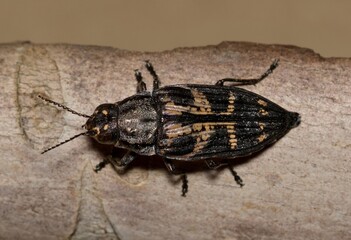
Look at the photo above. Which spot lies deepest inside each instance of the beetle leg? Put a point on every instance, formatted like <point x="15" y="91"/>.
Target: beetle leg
<point x="170" y="166"/>
<point x="101" y="165"/>
<point x="123" y="162"/>
<point x="153" y="73"/>
<point x="240" y="82"/>
<point x="237" y="178"/>
<point x="127" y="158"/>
<point x="211" y="164"/>
<point x="214" y="165"/>
<point x="141" y="87"/>
<point x="184" y="185"/>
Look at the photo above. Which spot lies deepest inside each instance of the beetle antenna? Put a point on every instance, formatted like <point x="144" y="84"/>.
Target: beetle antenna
<point x="61" y="143"/>
<point x="63" y="107"/>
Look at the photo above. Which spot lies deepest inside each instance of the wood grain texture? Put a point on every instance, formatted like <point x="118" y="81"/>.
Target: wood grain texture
<point x="297" y="189"/>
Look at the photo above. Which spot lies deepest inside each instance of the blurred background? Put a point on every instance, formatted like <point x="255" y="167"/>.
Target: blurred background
<point x="157" y="25"/>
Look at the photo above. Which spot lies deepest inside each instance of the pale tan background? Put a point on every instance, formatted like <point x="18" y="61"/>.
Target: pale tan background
<point x="154" y="25"/>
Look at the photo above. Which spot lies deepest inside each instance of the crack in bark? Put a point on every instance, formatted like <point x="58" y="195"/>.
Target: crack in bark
<point x="17" y="84"/>
<point x="91" y="220"/>
<point x="76" y="222"/>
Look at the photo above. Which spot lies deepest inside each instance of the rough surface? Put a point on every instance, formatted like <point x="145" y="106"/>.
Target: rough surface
<point x="297" y="189"/>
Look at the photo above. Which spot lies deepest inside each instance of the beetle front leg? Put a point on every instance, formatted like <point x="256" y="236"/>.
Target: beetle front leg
<point x="150" y="68"/>
<point x="101" y="165"/>
<point x="240" y="82"/>
<point x="171" y="168"/>
<point x="123" y="162"/>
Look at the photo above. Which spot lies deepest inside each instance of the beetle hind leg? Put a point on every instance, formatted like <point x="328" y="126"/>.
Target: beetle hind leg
<point x="237" y="178"/>
<point x="240" y="82"/>
<point x="172" y="169"/>
<point x="184" y="185"/>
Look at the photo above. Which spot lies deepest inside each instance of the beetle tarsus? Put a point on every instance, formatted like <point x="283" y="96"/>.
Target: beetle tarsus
<point x="184" y="185"/>
<point x="101" y="165"/>
<point x="237" y="178"/>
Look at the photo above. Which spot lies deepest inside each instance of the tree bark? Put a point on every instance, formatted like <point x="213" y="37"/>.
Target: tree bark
<point x="299" y="188"/>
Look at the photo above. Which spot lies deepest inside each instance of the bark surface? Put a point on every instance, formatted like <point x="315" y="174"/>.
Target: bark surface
<point x="299" y="188"/>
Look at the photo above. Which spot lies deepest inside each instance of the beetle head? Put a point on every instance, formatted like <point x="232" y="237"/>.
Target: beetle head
<point x="103" y="124"/>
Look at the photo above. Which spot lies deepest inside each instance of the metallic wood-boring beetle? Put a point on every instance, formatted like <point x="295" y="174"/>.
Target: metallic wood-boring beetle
<point x="188" y="122"/>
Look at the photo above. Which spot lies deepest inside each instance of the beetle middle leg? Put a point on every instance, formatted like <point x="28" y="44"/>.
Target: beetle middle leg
<point x="240" y="82"/>
<point x="141" y="87"/>
<point x="171" y="168"/>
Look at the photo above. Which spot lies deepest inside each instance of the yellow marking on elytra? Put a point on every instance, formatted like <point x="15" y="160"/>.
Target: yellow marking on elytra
<point x="105" y="112"/>
<point x="172" y="109"/>
<point x="201" y="106"/>
<point x="172" y="113"/>
<point x="173" y="126"/>
<point x="201" y="103"/>
<point x="201" y="141"/>
<point x="263" y="112"/>
<point x="262" y="125"/>
<point x="233" y="142"/>
<point x="262" y="102"/>
<point x="202" y="132"/>
<point x="205" y="136"/>
<point x="177" y="130"/>
<point x="199" y="145"/>
<point x="231" y="100"/>
<point x="197" y="126"/>
<point x="262" y="137"/>
<point x="106" y="126"/>
<point x="200" y="99"/>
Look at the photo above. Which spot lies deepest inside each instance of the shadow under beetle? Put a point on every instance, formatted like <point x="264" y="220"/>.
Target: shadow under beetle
<point x="188" y="122"/>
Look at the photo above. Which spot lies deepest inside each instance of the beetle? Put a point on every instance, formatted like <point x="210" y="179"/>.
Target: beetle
<point x="188" y="122"/>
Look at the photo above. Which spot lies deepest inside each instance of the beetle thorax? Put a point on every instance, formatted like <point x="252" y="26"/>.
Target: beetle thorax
<point x="137" y="121"/>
